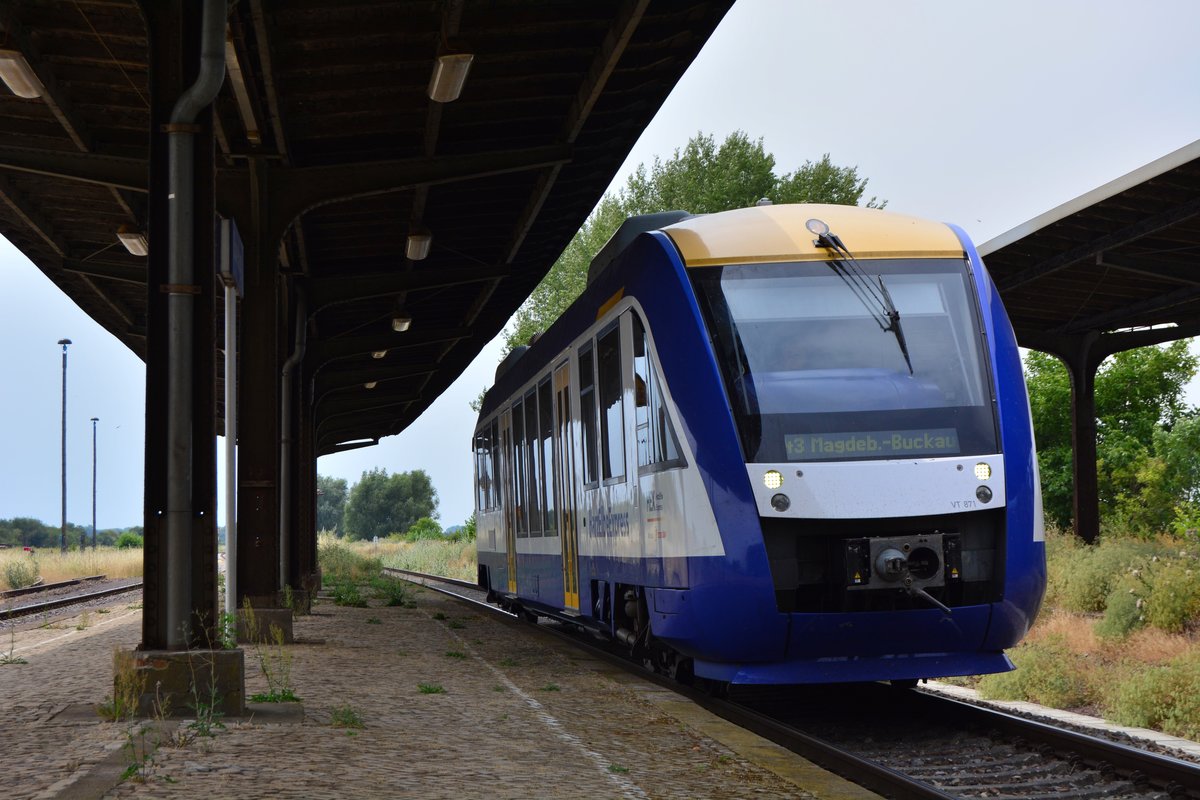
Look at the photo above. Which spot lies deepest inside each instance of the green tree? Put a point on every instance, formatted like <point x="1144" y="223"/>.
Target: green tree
<point x="701" y="178"/>
<point x="381" y="504"/>
<point x="424" y="528"/>
<point x="331" y="503"/>
<point x="1146" y="437"/>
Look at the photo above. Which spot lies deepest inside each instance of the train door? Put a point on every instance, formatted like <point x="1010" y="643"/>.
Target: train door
<point x="506" y="481"/>
<point x="564" y="485"/>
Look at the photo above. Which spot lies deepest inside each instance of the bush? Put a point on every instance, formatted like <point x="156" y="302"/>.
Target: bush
<point x="424" y="528"/>
<point x="1046" y="673"/>
<point x="1164" y="698"/>
<point x="1122" y="614"/>
<point x="1085" y="576"/>
<point x="1173" y="600"/>
<point x="340" y="564"/>
<point x="22" y="572"/>
<point x="129" y="540"/>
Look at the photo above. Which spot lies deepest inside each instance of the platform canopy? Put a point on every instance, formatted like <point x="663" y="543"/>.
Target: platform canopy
<point x="1124" y="256"/>
<point x="1114" y="269"/>
<point x="326" y="102"/>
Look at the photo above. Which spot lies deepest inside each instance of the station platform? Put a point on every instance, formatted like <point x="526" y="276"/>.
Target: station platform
<point x="519" y="715"/>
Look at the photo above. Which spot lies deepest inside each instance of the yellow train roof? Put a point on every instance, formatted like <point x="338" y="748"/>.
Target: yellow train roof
<point x="764" y="234"/>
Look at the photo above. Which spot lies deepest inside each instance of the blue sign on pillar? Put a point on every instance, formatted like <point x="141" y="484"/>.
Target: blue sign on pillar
<point x="232" y="263"/>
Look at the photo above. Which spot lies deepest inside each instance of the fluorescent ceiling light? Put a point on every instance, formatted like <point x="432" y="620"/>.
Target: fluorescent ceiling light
<point x="378" y="353"/>
<point x="449" y="75"/>
<point x="19" y="76"/>
<point x="134" y="241"/>
<point x="369" y="385"/>
<point x="418" y="245"/>
<point x="401" y="322"/>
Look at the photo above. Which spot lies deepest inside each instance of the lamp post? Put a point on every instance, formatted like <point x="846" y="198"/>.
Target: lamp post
<point x="63" y="541"/>
<point x="94" y="421"/>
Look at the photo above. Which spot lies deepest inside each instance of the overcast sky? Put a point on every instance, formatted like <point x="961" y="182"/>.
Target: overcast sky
<point x="982" y="114"/>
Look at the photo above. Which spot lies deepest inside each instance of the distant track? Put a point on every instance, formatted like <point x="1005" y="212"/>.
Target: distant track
<point x="907" y="744"/>
<point x="63" y="602"/>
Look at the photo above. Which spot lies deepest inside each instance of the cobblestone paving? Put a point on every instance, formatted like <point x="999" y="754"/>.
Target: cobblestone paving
<point x="519" y="717"/>
<point x="67" y="662"/>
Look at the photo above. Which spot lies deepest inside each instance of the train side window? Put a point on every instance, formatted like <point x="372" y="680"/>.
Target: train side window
<point x="521" y="523"/>
<point x="657" y="445"/>
<point x="641" y="391"/>
<point x="666" y="446"/>
<point x="546" y="427"/>
<point x="587" y="411"/>
<point x="481" y="480"/>
<point x="494" y="466"/>
<point x="612" y="419"/>
<point x="533" y="462"/>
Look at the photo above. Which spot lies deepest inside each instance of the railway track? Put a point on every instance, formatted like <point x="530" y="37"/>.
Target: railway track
<point x="75" y="598"/>
<point x="905" y="744"/>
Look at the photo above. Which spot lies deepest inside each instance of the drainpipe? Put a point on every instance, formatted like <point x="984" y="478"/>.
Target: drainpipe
<point x="180" y="301"/>
<point x="231" y="449"/>
<point x="286" y="439"/>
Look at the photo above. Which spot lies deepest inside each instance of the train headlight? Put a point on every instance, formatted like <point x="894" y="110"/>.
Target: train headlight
<point x="817" y="227"/>
<point x="984" y="494"/>
<point x="983" y="471"/>
<point x="773" y="479"/>
<point x="781" y="502"/>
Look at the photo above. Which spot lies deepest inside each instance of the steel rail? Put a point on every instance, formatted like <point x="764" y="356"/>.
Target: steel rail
<point x="60" y="602"/>
<point x="420" y="577"/>
<point x="1172" y="774"/>
<point x="46" y="587"/>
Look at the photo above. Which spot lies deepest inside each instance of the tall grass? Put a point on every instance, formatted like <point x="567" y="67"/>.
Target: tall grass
<point x="445" y="558"/>
<point x="1120" y="634"/>
<point x="359" y="561"/>
<point x="54" y="566"/>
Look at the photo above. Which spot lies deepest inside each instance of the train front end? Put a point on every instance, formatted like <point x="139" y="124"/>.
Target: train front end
<point x="886" y="493"/>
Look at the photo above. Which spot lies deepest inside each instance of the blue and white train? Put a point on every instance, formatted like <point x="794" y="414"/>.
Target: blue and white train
<point x="780" y="444"/>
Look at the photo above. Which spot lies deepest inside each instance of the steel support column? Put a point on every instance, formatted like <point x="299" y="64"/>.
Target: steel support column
<point x="258" y="405"/>
<point x="1082" y="362"/>
<point x="304" y="475"/>
<point x="174" y="34"/>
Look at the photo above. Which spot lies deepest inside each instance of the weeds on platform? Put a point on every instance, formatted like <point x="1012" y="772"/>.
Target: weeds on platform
<point x="139" y="746"/>
<point x="391" y="591"/>
<point x="347" y="594"/>
<point x="430" y="688"/>
<point x="11" y="657"/>
<point x="84" y="622"/>
<point x="206" y="700"/>
<point x="228" y="631"/>
<point x="128" y="685"/>
<point x="274" y="660"/>
<point x="346" y="717"/>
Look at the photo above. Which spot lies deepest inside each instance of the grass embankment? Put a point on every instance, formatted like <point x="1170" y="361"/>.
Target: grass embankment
<point x="19" y="568"/>
<point x="451" y="559"/>
<point x="1118" y="636"/>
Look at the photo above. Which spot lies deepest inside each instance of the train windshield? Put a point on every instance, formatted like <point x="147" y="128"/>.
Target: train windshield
<point x="812" y="375"/>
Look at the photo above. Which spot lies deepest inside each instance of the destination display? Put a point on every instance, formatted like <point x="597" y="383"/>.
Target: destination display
<point x="866" y="444"/>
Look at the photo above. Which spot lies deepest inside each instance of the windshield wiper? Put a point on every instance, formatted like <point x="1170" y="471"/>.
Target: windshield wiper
<point x="877" y="301"/>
